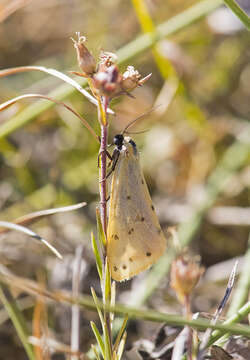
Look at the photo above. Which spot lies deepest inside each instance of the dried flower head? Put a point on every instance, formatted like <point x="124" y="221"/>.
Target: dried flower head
<point x="107" y="59"/>
<point x="86" y="61"/>
<point x="108" y="82"/>
<point x="185" y="274"/>
<point x="131" y="79"/>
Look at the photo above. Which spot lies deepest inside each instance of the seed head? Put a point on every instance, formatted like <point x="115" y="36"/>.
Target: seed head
<point x="185" y="274"/>
<point x="86" y="61"/>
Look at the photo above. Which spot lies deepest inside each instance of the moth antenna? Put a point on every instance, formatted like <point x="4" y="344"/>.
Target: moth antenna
<point x="136" y="132"/>
<point x="139" y="117"/>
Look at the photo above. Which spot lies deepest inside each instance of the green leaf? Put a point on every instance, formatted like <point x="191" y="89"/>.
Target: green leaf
<point x="97" y="255"/>
<point x="96" y="301"/>
<point x="107" y="284"/>
<point x="121" y="346"/>
<point x="101" y="235"/>
<point x="98" y="338"/>
<point x="120" y="334"/>
<point x="95" y="352"/>
<point x="107" y="342"/>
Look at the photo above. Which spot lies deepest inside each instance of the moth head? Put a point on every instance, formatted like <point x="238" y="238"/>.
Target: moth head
<point x="118" y="141"/>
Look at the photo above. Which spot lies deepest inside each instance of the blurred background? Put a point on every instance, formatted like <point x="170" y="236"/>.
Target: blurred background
<point x="52" y="160"/>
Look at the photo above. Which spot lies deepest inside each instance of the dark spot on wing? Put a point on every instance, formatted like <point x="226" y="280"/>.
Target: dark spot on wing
<point x="148" y="254"/>
<point x="128" y="197"/>
<point x="130" y="231"/>
<point x="142" y="218"/>
<point x="142" y="182"/>
<point x="116" y="237"/>
<point x="115" y="268"/>
<point x="130" y="259"/>
<point x="124" y="267"/>
<point x="152" y="207"/>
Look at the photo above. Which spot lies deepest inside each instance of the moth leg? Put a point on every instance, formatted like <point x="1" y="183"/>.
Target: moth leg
<point x="115" y="157"/>
<point x="101" y="152"/>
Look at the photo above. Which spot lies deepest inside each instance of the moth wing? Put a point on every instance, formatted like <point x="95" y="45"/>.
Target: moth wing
<point x="135" y="238"/>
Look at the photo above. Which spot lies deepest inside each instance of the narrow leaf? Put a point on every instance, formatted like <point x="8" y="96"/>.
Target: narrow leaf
<point x="120" y="334"/>
<point x="95" y="352"/>
<point x="98" y="338"/>
<point x="107" y="285"/>
<point x="96" y="301"/>
<point x="101" y="235"/>
<point x="31" y="233"/>
<point x="121" y="346"/>
<point x="97" y="255"/>
<point x="37" y="215"/>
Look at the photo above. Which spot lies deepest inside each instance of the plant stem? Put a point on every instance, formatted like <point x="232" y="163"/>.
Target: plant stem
<point x="103" y="192"/>
<point x="188" y="314"/>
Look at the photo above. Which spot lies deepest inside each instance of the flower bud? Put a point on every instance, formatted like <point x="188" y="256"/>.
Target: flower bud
<point x="185" y="274"/>
<point x="86" y="61"/>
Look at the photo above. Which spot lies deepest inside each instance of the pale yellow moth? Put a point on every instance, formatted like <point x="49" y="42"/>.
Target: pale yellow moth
<point x="135" y="240"/>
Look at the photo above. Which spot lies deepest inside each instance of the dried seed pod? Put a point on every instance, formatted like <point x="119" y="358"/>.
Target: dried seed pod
<point x="86" y="61"/>
<point x="185" y="274"/>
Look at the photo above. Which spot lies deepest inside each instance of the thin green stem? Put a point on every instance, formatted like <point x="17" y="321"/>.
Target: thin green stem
<point x="239" y="12"/>
<point x="87" y="302"/>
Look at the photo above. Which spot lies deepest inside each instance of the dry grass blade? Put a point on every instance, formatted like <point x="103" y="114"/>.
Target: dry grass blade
<point x="40" y="323"/>
<point x="87" y="302"/>
<point x="37" y="215"/>
<point x="10" y="102"/>
<point x="55" y="73"/>
<point x="52" y="344"/>
<point x="31" y="233"/>
<point x="218" y="311"/>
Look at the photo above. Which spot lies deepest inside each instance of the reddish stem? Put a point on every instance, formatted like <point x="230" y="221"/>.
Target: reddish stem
<point x="103" y="155"/>
<point x="103" y="192"/>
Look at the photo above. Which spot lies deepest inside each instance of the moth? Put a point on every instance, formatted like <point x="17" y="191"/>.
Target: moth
<point x="135" y="240"/>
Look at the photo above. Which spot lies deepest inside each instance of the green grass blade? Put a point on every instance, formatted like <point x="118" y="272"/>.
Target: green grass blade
<point x="18" y="321"/>
<point x="98" y="338"/>
<point x="239" y="12"/>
